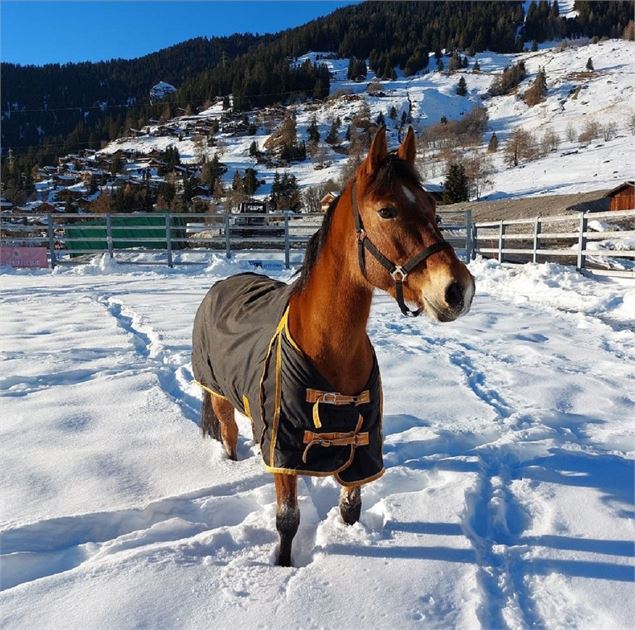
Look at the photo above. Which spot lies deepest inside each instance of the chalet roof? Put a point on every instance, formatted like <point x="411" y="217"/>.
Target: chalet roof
<point x="622" y="186"/>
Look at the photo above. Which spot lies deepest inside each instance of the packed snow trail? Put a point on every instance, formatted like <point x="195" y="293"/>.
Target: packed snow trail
<point x="507" y="501"/>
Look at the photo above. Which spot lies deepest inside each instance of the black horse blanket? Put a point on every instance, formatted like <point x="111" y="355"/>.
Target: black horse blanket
<point x="242" y="351"/>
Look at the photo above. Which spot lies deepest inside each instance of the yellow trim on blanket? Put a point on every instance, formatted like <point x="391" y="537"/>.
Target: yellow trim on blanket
<point x="288" y="333"/>
<point x="316" y="415"/>
<point x="278" y="395"/>
<point x="247" y="408"/>
<point x="354" y="484"/>
<point x="211" y="391"/>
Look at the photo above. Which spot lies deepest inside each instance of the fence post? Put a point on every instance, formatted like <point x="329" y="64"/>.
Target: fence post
<point x="168" y="237"/>
<point x="501" y="232"/>
<point x="537" y="228"/>
<point x="228" y="251"/>
<point x="581" y="241"/>
<point x="469" y="236"/>
<point x="51" y="235"/>
<point x="287" y="245"/>
<point x="109" y="235"/>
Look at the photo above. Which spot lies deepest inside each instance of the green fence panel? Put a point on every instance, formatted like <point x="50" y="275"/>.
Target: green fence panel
<point x="92" y="234"/>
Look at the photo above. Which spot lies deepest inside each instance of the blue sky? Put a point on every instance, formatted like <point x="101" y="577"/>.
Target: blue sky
<point x="58" y="32"/>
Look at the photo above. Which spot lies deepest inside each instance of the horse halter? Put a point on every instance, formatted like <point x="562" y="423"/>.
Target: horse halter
<point x="398" y="272"/>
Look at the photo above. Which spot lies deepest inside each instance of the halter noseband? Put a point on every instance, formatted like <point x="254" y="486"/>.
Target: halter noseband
<point x="397" y="272"/>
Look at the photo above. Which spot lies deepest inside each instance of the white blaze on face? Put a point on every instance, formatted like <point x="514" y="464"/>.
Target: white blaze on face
<point x="409" y="194"/>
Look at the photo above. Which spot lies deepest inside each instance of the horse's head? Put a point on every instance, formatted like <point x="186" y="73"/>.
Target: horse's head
<point x="402" y="249"/>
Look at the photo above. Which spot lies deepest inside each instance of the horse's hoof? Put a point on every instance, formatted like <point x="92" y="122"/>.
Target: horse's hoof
<point x="283" y="559"/>
<point x="231" y="454"/>
<point x="350" y="513"/>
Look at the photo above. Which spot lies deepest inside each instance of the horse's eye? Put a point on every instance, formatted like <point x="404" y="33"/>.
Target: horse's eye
<point x="387" y="213"/>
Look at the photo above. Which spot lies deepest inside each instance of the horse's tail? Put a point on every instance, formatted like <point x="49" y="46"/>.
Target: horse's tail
<point x="209" y="422"/>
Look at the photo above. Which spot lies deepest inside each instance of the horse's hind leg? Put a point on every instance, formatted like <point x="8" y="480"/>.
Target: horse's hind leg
<point x="209" y="422"/>
<point x="351" y="504"/>
<point x="217" y="421"/>
<point x="224" y="411"/>
<point x="287" y="515"/>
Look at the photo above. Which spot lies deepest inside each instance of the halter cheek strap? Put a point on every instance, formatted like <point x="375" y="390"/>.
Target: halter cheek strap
<point x="397" y="272"/>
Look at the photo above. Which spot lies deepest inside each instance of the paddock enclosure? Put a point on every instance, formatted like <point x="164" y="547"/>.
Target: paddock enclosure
<point x="506" y="502"/>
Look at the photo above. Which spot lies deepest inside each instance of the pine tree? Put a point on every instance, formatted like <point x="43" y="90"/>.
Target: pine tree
<point x="361" y="69"/>
<point x="461" y="88"/>
<point x="393" y="113"/>
<point x="476" y="67"/>
<point x="589" y="65"/>
<point x="439" y="65"/>
<point x="253" y="149"/>
<point x="492" y="146"/>
<point x="333" y="136"/>
<point x="455" y="187"/>
<point x="381" y="121"/>
<point x="454" y="63"/>
<point x="250" y="182"/>
<point x="350" y="73"/>
<point x="237" y="182"/>
<point x="313" y="131"/>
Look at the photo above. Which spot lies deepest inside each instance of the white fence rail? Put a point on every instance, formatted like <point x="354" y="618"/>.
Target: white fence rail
<point x="601" y="243"/>
<point x="183" y="238"/>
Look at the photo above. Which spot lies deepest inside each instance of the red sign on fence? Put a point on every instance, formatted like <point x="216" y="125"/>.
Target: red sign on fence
<point x="23" y="256"/>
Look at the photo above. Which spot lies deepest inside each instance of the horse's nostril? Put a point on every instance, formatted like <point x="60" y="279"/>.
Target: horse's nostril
<point x="454" y="296"/>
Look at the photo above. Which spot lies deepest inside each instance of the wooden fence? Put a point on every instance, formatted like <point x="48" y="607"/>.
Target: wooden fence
<point x="600" y="243"/>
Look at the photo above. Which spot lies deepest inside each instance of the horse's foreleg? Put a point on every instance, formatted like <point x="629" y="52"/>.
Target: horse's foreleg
<point x="224" y="411"/>
<point x="351" y="504"/>
<point x="287" y="515"/>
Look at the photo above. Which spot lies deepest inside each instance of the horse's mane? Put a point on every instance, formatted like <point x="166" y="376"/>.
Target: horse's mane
<point x="314" y="246"/>
<point x="386" y="176"/>
<point x="393" y="169"/>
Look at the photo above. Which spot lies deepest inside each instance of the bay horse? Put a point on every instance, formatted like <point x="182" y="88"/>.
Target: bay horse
<point x="296" y="359"/>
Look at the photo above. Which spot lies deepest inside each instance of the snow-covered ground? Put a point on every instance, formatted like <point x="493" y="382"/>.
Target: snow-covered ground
<point x="509" y="444"/>
<point x="574" y="98"/>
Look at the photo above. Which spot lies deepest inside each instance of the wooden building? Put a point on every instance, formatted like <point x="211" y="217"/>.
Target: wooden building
<point x="622" y="197"/>
<point x="327" y="200"/>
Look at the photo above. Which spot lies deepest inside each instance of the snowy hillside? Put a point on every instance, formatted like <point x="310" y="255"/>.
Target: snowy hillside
<point x="575" y="97"/>
<point x="507" y="501"/>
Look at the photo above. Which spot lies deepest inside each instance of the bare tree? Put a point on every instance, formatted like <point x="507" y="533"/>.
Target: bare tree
<point x="374" y="87"/>
<point x="284" y="135"/>
<point x="590" y="132"/>
<point x="571" y="133"/>
<point x="349" y="168"/>
<point x="313" y="195"/>
<point x="609" y="131"/>
<point x="550" y="141"/>
<point x="520" y="147"/>
<point x="478" y="168"/>
<point x="318" y="155"/>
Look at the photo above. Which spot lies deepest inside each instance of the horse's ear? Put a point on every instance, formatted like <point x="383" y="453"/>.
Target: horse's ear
<point x="408" y="149"/>
<point x="378" y="152"/>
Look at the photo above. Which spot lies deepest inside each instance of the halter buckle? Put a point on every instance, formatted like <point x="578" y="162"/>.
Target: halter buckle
<point x="329" y="398"/>
<point x="361" y="234"/>
<point x="398" y="274"/>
